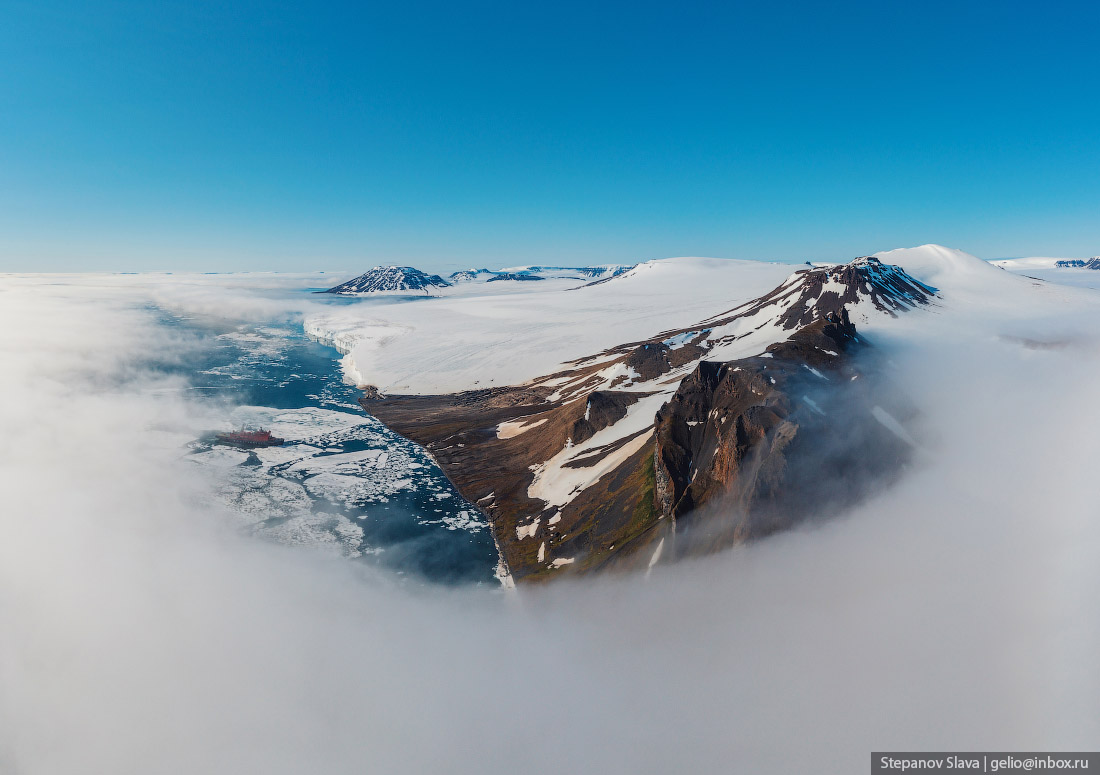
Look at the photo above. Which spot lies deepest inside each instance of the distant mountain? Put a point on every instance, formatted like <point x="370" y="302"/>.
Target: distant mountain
<point x="528" y="273"/>
<point x="513" y="276"/>
<point x="468" y="275"/>
<point x="407" y="279"/>
<point x="578" y="272"/>
<point x="1077" y="263"/>
<point x="391" y="279"/>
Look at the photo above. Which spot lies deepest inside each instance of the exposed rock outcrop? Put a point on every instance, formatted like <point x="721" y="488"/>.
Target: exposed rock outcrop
<point x="602" y="409"/>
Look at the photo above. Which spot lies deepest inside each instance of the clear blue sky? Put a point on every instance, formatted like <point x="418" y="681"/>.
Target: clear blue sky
<point x="294" y="136"/>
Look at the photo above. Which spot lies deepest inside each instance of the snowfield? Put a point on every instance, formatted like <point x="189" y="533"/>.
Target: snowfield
<point x="1047" y="270"/>
<point x="996" y="292"/>
<point x="480" y="334"/>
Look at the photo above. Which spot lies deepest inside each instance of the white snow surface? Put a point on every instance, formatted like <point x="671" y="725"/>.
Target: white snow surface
<point x="1047" y="269"/>
<point x="943" y="267"/>
<point x="480" y="334"/>
<point x="508" y="430"/>
<point x="966" y="280"/>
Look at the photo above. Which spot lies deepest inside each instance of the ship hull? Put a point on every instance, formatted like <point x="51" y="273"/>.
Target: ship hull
<point x="249" y="444"/>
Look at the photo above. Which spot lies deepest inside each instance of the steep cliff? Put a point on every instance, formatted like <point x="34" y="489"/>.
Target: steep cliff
<point x="753" y="446"/>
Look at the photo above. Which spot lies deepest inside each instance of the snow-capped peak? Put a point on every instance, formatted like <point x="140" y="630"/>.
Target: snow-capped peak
<point x="390" y="279"/>
<point x="937" y="264"/>
<point x="811" y="294"/>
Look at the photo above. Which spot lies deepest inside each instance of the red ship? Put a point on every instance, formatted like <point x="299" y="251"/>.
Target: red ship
<point x="249" y="439"/>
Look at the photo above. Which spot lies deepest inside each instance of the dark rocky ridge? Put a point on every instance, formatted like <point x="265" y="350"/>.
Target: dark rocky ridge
<point x="583" y="271"/>
<point x="820" y="291"/>
<point x="1077" y="263"/>
<point x="512" y="276"/>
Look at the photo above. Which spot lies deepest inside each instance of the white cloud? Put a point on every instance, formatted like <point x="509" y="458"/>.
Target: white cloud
<point x="139" y="634"/>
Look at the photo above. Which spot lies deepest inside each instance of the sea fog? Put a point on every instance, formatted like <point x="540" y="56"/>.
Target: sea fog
<point x="143" y="631"/>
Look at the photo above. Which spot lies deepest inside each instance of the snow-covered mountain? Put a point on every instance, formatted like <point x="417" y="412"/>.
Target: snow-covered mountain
<point x="542" y="457"/>
<point x="407" y="279"/>
<point x="1078" y="263"/>
<point x="1080" y="272"/>
<point x="528" y="273"/>
<point x="468" y="275"/>
<point x="1023" y="264"/>
<point x="572" y="272"/>
<point x="392" y="279"/>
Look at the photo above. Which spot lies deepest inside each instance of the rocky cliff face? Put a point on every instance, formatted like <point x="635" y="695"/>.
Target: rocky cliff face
<point x="753" y="446"/>
<point x="723" y="413"/>
<point x="698" y="438"/>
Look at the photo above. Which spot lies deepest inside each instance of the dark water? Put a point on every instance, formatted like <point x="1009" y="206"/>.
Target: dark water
<point x="325" y="486"/>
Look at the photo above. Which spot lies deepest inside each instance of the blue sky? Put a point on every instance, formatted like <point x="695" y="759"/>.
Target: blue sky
<point x="298" y="136"/>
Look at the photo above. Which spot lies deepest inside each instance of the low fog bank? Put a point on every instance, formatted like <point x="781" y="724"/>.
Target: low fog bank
<point x="140" y="634"/>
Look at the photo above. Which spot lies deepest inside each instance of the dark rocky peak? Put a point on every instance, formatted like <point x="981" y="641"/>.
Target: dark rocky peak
<point x="811" y="294"/>
<point x="888" y="285"/>
<point x="826" y="290"/>
<point x="391" y="278"/>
